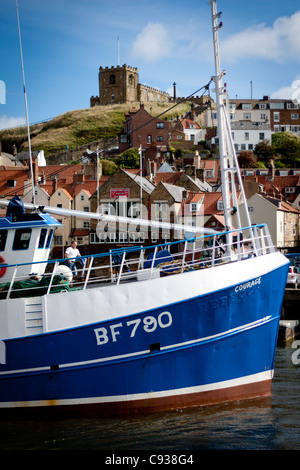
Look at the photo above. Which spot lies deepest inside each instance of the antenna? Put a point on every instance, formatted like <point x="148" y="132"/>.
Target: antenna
<point x="118" y="52"/>
<point x="26" y="109"/>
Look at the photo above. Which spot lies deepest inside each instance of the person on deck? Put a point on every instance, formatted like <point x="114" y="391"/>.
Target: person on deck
<point x="72" y="252"/>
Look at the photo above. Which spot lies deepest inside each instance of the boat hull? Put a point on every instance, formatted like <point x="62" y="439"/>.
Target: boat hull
<point x="212" y="348"/>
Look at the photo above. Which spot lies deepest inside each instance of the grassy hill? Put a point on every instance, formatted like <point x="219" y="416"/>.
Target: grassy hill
<point x="80" y="127"/>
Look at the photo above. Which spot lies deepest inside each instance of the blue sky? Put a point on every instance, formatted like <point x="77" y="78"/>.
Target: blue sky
<point x="65" y="41"/>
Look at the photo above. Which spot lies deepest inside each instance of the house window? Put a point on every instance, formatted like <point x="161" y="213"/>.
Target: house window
<point x="160" y="125"/>
<point x="261" y="136"/>
<point x="250" y="209"/>
<point x="109" y="208"/>
<point x="149" y="139"/>
<point x="294" y="116"/>
<point x="82" y="197"/>
<point x="292" y="105"/>
<point x="246" y="106"/>
<point x="247" y="116"/>
<point x="193" y="207"/>
<point x="276" y="117"/>
<point x="58" y="240"/>
<point x="11" y="183"/>
<point x="276" y="105"/>
<point x="112" y="98"/>
<point x="161" y="210"/>
<point x="133" y="209"/>
<point x="86" y="225"/>
<point x="246" y="135"/>
<point x="262" y="117"/>
<point x="159" y="138"/>
<point x="58" y="205"/>
<point x="86" y="209"/>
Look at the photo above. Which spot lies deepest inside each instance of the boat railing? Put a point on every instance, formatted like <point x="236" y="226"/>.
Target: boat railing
<point x="128" y="264"/>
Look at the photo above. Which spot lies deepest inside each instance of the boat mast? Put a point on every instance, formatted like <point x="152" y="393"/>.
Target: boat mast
<point x="228" y="159"/>
<point x="219" y="90"/>
<point x="26" y="109"/>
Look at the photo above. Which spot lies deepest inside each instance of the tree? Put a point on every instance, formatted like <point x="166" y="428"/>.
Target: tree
<point x="108" y="167"/>
<point x="264" y="150"/>
<point x="287" y="144"/>
<point x="247" y="159"/>
<point x="178" y="153"/>
<point x="129" y="159"/>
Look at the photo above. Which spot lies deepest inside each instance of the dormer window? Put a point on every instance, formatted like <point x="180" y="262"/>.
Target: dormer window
<point x="194" y="206"/>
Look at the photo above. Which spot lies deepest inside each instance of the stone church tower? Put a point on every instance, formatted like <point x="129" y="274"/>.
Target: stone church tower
<point x="117" y="85"/>
<point x="121" y="85"/>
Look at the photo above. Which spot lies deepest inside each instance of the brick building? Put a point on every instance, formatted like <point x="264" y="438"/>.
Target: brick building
<point x="120" y="195"/>
<point x="141" y="129"/>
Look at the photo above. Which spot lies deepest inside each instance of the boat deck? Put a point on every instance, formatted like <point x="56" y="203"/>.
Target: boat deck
<point x="136" y="264"/>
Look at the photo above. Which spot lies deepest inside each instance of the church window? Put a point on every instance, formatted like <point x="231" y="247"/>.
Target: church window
<point x="112" y="79"/>
<point x="131" y="80"/>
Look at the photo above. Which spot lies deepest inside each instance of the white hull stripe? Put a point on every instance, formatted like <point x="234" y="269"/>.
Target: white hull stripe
<point x="247" y="380"/>
<point x="238" y="329"/>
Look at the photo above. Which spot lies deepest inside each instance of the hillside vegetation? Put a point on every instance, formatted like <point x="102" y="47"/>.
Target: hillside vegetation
<point x="80" y="127"/>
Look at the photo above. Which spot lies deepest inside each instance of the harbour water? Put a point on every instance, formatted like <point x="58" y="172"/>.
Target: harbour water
<point x="261" y="424"/>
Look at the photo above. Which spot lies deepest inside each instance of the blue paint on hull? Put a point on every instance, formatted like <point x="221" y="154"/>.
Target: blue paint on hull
<point x="229" y="334"/>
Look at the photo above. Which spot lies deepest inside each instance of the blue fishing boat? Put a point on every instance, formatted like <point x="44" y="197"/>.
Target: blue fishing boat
<point x="186" y="323"/>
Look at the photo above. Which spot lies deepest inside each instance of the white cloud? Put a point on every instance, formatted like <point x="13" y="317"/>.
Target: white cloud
<point x="289" y="92"/>
<point x="278" y="42"/>
<point x="7" y="122"/>
<point x="152" y="43"/>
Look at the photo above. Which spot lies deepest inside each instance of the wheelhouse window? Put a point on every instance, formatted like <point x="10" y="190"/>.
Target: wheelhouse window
<point x="42" y="237"/>
<point x="49" y="239"/>
<point x="22" y="239"/>
<point x="3" y="237"/>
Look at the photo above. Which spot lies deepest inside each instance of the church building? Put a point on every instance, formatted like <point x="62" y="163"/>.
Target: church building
<point x="121" y="85"/>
